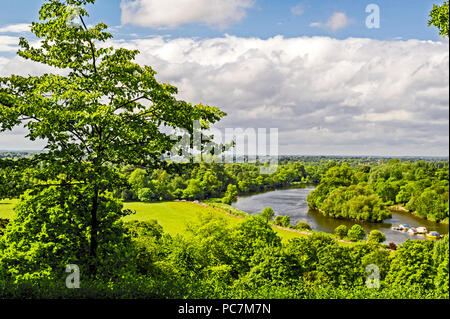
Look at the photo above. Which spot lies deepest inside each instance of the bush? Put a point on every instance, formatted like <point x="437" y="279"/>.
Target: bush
<point x="303" y="225"/>
<point x="278" y="220"/>
<point x="356" y="233"/>
<point x="283" y="221"/>
<point x="47" y="234"/>
<point x="230" y="195"/>
<point x="341" y="231"/>
<point x="286" y="221"/>
<point x="3" y="223"/>
<point x="267" y="213"/>
<point x="146" y="195"/>
<point x="376" y="236"/>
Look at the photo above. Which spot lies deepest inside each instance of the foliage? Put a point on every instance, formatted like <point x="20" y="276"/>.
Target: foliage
<point x="441" y="261"/>
<point x="49" y="233"/>
<point x="421" y="187"/>
<point x="102" y="110"/>
<point x="439" y="17"/>
<point x="230" y="195"/>
<point x="356" y="232"/>
<point x="376" y="236"/>
<point x="3" y="223"/>
<point x="341" y="231"/>
<point x="267" y="213"/>
<point x="303" y="225"/>
<point x="412" y="265"/>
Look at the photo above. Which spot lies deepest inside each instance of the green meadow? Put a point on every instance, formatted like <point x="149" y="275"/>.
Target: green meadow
<point x="172" y="216"/>
<point x="7" y="208"/>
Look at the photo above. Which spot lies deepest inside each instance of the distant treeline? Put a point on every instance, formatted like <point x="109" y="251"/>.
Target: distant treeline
<point x="351" y="188"/>
<point x="364" y="193"/>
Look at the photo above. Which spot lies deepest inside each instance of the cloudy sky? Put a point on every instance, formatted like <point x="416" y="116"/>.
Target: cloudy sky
<point x="312" y="69"/>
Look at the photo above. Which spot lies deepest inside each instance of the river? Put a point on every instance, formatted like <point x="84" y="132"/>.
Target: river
<point x="292" y="202"/>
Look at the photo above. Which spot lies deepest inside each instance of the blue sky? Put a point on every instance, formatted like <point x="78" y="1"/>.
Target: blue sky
<point x="404" y="19"/>
<point x="312" y="69"/>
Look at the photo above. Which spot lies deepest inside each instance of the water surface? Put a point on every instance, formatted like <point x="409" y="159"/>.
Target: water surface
<point x="292" y="202"/>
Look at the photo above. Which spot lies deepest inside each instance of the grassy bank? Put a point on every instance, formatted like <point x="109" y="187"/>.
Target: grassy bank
<point x="7" y="208"/>
<point x="175" y="216"/>
<point x="172" y="216"/>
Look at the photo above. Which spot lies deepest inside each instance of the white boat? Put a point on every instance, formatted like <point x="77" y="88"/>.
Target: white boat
<point x="422" y="230"/>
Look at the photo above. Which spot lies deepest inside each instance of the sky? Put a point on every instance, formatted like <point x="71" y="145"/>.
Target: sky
<point x="315" y="70"/>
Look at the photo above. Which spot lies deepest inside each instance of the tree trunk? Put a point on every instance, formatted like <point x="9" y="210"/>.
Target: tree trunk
<point x="94" y="234"/>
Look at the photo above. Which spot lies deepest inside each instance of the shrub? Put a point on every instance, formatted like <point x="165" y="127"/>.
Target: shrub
<point x="278" y="220"/>
<point x="303" y="225"/>
<point x="267" y="213"/>
<point x="341" y="231"/>
<point x="286" y="221"/>
<point x="356" y="233"/>
<point x="376" y="236"/>
<point x="3" y="223"/>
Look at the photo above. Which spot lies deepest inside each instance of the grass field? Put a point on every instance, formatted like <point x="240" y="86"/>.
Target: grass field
<point x="175" y="216"/>
<point x="172" y="216"/>
<point x="6" y="208"/>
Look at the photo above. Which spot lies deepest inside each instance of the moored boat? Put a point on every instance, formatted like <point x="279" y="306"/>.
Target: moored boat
<point x="433" y="235"/>
<point x="422" y="230"/>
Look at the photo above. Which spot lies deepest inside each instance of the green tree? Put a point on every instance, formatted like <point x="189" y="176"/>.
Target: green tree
<point x="49" y="232"/>
<point x="441" y="263"/>
<point x="380" y="258"/>
<point x="273" y="264"/>
<point x="286" y="221"/>
<point x="412" y="265"/>
<point x="375" y="236"/>
<point x="138" y="180"/>
<point x="439" y="17"/>
<point x="278" y="220"/>
<point x="147" y="195"/>
<point x="268" y="213"/>
<point x="194" y="190"/>
<point x="253" y="234"/>
<point x="356" y="232"/>
<point x="336" y="176"/>
<point x="335" y="266"/>
<point x="341" y="231"/>
<point x="303" y="225"/>
<point x="102" y="109"/>
<point x="231" y="194"/>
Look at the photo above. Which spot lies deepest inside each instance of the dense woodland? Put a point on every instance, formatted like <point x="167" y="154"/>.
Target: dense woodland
<point x="366" y="192"/>
<point x="101" y="121"/>
<point x="216" y="260"/>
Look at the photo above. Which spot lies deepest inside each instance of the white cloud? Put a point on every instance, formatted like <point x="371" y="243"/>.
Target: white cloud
<point x="15" y="28"/>
<point x="337" y="21"/>
<point x="172" y="13"/>
<point x="326" y="96"/>
<point x="298" y="10"/>
<point x="8" y="43"/>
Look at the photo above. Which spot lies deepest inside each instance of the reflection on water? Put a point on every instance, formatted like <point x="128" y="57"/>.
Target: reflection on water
<point x="292" y="202"/>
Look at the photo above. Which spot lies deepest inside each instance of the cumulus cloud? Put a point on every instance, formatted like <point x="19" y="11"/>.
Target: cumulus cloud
<point x="337" y="21"/>
<point x="15" y="28"/>
<point x="172" y="13"/>
<point x="8" y="43"/>
<point x="326" y="96"/>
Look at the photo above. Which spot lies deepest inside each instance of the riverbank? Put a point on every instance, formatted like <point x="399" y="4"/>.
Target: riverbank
<point x="402" y="209"/>
<point x="233" y="212"/>
<point x="293" y="203"/>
